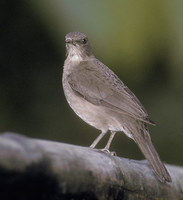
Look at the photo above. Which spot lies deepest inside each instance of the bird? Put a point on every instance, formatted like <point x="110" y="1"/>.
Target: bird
<point x="101" y="99"/>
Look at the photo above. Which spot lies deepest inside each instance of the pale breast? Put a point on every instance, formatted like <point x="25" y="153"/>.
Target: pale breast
<point x="91" y="114"/>
<point x="98" y="116"/>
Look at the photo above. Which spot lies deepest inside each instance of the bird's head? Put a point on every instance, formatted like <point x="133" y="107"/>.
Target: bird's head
<point x="77" y="46"/>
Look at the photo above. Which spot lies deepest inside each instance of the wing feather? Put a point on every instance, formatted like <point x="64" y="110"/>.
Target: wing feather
<point x="100" y="86"/>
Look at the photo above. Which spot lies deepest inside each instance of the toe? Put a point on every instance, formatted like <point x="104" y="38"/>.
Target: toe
<point x="112" y="153"/>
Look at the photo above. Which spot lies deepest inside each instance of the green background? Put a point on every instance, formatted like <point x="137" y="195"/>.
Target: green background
<point x="141" y="41"/>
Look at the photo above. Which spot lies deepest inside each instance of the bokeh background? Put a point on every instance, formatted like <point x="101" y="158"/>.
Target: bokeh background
<point x="142" y="41"/>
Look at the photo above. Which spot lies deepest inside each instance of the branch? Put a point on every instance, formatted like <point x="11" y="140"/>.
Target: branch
<point x="39" y="169"/>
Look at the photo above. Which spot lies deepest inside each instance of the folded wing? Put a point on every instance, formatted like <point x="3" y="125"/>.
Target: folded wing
<point x="102" y="87"/>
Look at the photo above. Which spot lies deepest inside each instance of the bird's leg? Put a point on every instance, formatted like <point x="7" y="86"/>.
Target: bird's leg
<point x="96" y="141"/>
<point x="110" y="140"/>
<point x="106" y="148"/>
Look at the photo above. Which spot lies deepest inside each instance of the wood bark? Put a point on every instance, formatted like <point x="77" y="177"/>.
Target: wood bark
<point x="40" y="169"/>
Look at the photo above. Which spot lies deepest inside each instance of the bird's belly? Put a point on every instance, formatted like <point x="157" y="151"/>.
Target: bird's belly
<point x="88" y="112"/>
<point x="96" y="116"/>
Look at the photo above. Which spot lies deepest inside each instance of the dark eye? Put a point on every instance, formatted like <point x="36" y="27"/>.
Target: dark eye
<point x="84" y="41"/>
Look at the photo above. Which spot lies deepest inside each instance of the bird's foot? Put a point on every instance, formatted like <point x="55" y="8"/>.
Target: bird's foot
<point x="112" y="153"/>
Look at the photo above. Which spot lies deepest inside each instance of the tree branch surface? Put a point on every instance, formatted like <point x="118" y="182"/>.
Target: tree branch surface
<point x="40" y="169"/>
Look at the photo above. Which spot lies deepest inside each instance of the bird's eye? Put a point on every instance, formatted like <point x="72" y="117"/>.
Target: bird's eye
<point x="84" y="41"/>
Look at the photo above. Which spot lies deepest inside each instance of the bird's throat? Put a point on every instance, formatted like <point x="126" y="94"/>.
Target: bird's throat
<point x="74" y="55"/>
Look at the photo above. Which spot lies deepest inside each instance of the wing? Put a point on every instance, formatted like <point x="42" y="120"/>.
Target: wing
<point x="97" y="84"/>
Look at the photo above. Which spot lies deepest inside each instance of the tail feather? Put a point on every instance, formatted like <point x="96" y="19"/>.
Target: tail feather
<point x="152" y="156"/>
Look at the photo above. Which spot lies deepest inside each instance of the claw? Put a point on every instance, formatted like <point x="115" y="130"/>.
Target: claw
<point x="112" y="153"/>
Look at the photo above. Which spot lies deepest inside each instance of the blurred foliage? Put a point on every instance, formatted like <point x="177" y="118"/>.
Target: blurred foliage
<point x="142" y="41"/>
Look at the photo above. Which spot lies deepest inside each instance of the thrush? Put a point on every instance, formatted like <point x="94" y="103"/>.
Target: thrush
<point x="101" y="99"/>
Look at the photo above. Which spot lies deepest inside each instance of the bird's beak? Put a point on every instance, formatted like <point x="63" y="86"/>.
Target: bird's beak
<point x="68" y="40"/>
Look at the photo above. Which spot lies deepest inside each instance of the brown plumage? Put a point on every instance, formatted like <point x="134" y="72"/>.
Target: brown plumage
<point x="102" y="100"/>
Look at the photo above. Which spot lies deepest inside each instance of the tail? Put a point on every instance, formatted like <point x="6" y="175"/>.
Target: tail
<point x="150" y="153"/>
